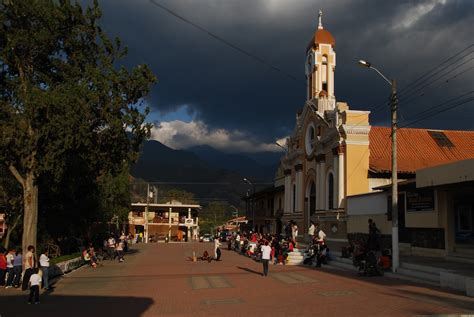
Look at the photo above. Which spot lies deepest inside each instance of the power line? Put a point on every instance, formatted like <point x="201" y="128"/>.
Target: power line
<point x="224" y="41"/>
<point x="440" y="108"/>
<point x="414" y="83"/>
<point x="413" y="95"/>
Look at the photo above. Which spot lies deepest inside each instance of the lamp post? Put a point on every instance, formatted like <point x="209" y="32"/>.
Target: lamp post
<point x="253" y="201"/>
<point x="393" y="107"/>
<point x="281" y="146"/>
<point x="149" y="194"/>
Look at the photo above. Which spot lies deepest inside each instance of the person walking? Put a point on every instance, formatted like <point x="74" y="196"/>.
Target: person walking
<point x="10" y="257"/>
<point x="266" y="254"/>
<point x="119" y="250"/>
<point x="17" y="268"/>
<point x="44" y="267"/>
<point x="29" y="266"/>
<point x="217" y="250"/>
<point x="34" y="284"/>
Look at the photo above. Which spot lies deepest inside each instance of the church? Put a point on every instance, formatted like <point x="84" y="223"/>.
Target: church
<point x="335" y="155"/>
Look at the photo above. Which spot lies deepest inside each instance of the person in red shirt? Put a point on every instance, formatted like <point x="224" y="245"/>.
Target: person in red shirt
<point x="3" y="266"/>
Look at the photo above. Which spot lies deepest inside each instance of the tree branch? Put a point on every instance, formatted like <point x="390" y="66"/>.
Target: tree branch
<point x="17" y="175"/>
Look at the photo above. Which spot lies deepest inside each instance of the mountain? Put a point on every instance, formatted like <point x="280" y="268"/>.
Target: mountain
<point x="185" y="170"/>
<point x="256" y="166"/>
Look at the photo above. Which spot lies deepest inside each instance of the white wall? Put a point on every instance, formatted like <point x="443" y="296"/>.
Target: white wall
<point x="367" y="204"/>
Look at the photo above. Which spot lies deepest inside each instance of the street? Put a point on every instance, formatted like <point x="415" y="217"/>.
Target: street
<point x="159" y="279"/>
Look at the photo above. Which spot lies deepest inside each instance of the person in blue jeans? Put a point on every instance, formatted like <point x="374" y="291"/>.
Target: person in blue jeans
<point x="17" y="268"/>
<point x="10" y="257"/>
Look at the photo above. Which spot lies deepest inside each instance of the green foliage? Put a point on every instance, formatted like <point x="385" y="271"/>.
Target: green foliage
<point x="115" y="195"/>
<point x="70" y="119"/>
<point x="213" y="215"/>
<point x="180" y="195"/>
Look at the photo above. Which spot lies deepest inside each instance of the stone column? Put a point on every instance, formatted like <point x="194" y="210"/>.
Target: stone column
<point x="317" y="184"/>
<point x="299" y="188"/>
<point x="288" y="191"/>
<point x="322" y="182"/>
<point x="341" y="178"/>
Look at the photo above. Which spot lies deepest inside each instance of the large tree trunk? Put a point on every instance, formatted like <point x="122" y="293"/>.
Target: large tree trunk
<point x="11" y="228"/>
<point x="30" y="216"/>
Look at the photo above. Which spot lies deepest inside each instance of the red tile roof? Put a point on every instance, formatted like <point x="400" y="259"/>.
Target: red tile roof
<point x="416" y="149"/>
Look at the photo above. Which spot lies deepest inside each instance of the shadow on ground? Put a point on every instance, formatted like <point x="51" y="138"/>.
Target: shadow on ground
<point x="249" y="270"/>
<point x="69" y="306"/>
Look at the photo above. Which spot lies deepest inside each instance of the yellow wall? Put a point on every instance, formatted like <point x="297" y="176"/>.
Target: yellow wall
<point x="357" y="169"/>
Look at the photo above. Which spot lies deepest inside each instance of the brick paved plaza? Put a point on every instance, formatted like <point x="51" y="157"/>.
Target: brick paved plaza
<point x="159" y="280"/>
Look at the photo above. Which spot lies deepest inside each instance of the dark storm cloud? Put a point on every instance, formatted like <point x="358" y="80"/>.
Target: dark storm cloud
<point x="228" y="90"/>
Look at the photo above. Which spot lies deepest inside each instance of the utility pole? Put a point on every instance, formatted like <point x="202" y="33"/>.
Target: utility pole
<point x="395" y="248"/>
<point x="393" y="107"/>
<point x="146" y="211"/>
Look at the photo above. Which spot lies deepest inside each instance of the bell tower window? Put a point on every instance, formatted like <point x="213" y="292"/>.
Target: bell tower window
<point x="324" y="73"/>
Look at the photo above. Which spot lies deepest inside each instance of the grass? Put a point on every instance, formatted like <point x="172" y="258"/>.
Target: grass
<point x="65" y="257"/>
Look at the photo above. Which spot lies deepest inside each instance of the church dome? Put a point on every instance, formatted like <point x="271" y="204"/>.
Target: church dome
<point x="321" y="36"/>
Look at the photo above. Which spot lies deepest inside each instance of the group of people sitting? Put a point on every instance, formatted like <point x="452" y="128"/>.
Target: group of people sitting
<point x="251" y="245"/>
<point x="113" y="248"/>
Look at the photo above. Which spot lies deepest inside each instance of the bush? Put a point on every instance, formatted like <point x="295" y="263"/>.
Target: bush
<point x="65" y="258"/>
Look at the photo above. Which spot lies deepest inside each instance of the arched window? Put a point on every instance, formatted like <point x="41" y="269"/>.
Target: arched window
<point x="324" y="73"/>
<point x="312" y="199"/>
<point x="330" y="187"/>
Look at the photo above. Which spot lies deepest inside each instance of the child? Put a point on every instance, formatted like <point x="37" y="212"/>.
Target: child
<point x="34" y="283"/>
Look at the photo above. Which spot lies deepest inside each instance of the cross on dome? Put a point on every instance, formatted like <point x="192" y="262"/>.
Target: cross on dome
<point x="320" y="16"/>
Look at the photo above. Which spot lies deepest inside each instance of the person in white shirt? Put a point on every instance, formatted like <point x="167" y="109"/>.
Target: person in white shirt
<point x="217" y="250"/>
<point x="266" y="254"/>
<point x="44" y="266"/>
<point x="321" y="235"/>
<point x="10" y="257"/>
<point x="311" y="231"/>
<point x="34" y="283"/>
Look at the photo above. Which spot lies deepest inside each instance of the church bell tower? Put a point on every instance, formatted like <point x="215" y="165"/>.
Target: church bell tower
<point x="320" y="66"/>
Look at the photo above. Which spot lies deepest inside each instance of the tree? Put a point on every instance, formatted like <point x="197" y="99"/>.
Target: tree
<point x="62" y="97"/>
<point x="10" y="202"/>
<point x="178" y="195"/>
<point x="213" y="215"/>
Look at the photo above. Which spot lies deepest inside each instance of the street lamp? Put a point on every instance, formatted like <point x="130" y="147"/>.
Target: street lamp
<point x="281" y="146"/>
<point x="245" y="179"/>
<point x="394" y="105"/>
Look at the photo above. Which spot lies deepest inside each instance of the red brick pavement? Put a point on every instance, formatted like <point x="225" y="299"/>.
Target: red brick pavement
<point x="159" y="280"/>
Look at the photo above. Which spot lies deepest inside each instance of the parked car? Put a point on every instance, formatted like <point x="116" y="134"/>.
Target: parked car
<point x="206" y="238"/>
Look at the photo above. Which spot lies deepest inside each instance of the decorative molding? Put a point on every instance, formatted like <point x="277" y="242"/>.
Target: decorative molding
<point x="356" y="129"/>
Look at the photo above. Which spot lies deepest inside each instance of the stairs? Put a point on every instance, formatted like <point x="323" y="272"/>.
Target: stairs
<point x="296" y="257"/>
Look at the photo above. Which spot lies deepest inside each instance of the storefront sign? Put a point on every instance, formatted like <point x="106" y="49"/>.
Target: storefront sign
<point x="420" y="200"/>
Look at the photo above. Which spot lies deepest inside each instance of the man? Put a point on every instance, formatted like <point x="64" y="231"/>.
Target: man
<point x="266" y="254"/>
<point x="111" y="248"/>
<point x="373" y="241"/>
<point x="311" y="231"/>
<point x="321" y="236"/>
<point x="44" y="266"/>
<point x="29" y="265"/>
<point x="217" y="250"/>
<point x="10" y="258"/>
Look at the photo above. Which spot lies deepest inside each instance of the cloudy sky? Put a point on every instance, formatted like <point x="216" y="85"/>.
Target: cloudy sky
<point x="209" y="93"/>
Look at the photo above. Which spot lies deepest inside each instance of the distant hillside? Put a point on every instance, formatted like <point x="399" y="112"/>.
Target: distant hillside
<point x="259" y="166"/>
<point x="201" y="174"/>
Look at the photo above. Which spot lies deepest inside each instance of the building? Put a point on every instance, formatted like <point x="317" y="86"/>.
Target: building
<point x="175" y="220"/>
<point x="436" y="211"/>
<point x="335" y="154"/>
